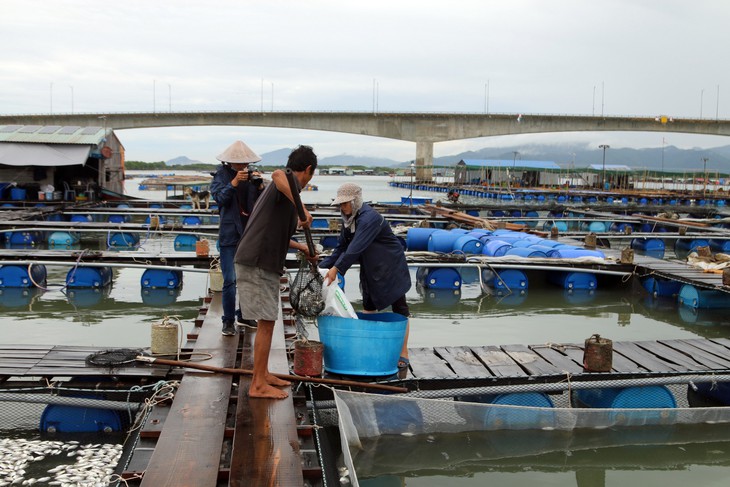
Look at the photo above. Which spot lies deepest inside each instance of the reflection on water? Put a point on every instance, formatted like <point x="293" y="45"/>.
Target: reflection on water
<point x="534" y="457"/>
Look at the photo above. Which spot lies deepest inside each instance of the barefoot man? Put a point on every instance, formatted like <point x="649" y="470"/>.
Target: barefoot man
<point x="260" y="261"/>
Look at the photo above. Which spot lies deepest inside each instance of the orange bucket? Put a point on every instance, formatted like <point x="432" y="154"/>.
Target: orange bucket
<point x="202" y="248"/>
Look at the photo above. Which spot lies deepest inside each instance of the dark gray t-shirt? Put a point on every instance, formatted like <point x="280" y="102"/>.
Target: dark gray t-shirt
<point x="271" y="225"/>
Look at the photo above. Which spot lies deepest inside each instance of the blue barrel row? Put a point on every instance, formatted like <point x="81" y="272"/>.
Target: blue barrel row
<point x="539" y="197"/>
<point x="22" y="276"/>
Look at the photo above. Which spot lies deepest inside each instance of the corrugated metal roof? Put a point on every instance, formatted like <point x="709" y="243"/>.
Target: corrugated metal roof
<point x="509" y="163"/>
<point x="51" y="134"/>
<point x="610" y="167"/>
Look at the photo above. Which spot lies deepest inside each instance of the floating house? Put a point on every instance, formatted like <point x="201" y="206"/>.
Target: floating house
<point x="514" y="172"/>
<point x="77" y="162"/>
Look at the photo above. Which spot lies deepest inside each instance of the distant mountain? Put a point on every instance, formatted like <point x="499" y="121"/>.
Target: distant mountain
<point x="182" y="161"/>
<point x="279" y="158"/>
<point x="672" y="159"/>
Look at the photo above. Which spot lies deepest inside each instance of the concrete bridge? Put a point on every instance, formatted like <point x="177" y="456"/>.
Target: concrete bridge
<point x="424" y="129"/>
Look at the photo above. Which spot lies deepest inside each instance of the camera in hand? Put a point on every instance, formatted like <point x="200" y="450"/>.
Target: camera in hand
<point x="255" y="179"/>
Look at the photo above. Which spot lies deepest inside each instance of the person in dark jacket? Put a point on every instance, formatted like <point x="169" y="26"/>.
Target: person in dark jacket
<point x="235" y="190"/>
<point x="366" y="238"/>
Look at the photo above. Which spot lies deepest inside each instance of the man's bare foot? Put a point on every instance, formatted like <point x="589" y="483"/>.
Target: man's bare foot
<point x="275" y="381"/>
<point x="267" y="392"/>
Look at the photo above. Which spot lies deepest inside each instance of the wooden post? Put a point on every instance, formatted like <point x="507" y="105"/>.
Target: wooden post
<point x="590" y="241"/>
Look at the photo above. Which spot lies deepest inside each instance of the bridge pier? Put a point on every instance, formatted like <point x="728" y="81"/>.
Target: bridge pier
<point x="424" y="160"/>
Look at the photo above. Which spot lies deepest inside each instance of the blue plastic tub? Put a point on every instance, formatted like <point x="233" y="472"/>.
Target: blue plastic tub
<point x="439" y="277"/>
<point x="369" y="346"/>
<point x="17" y="194"/>
<point x="647" y="244"/>
<point x="192" y="221"/>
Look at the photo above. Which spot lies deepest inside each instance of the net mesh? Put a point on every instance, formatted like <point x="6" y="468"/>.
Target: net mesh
<point x="538" y="423"/>
<point x="112" y="357"/>
<point x="305" y="293"/>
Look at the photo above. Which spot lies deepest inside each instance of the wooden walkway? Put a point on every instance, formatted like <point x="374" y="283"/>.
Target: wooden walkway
<point x="517" y="364"/>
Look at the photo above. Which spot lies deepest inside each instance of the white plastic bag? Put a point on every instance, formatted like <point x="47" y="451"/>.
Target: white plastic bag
<point x="335" y="301"/>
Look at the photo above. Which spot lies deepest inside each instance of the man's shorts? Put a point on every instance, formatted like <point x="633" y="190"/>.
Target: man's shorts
<point x="258" y="293"/>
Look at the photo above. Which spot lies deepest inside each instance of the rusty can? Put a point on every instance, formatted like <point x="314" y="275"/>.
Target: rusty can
<point x="308" y="358"/>
<point x="597" y="354"/>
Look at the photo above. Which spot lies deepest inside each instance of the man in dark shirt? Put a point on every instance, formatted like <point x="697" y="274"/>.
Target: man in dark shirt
<point x="260" y="259"/>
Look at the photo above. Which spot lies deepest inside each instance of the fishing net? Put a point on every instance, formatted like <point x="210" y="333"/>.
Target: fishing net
<point x="112" y="357"/>
<point x="305" y="293"/>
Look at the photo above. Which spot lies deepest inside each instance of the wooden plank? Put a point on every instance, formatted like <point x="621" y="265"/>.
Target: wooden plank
<point x="426" y="364"/>
<point x="710" y="346"/>
<point x="558" y="358"/>
<point x="498" y="362"/>
<point x="529" y="360"/>
<point x="188" y="451"/>
<point x="708" y="359"/>
<point x="265" y="443"/>
<point x="664" y="352"/>
<point x="463" y="361"/>
<point x="641" y="360"/>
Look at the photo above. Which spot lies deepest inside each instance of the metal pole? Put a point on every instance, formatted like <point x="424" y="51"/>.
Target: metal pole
<point x="603" y="179"/>
<point x="410" y="197"/>
<point x="704" y="175"/>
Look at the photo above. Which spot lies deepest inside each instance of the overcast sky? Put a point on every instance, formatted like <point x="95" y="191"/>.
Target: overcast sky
<point x="611" y="57"/>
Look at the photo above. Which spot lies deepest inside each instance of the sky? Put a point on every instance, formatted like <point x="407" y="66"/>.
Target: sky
<point x="577" y="57"/>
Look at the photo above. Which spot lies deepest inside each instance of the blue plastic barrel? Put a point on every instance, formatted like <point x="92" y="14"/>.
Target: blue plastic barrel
<point x="495" y="248"/>
<point x="657" y="286"/>
<point x="573" y="280"/>
<point x="644" y="244"/>
<point x="636" y="397"/>
<point x="74" y="419"/>
<point x="161" y="278"/>
<point x="528" y="252"/>
<point x="695" y="297"/>
<point x="718" y="245"/>
<point x="519" y="418"/>
<point x="192" y="221"/>
<point x="683" y="247"/>
<point x="330" y="242"/>
<point x="468" y="244"/>
<point x="504" y="281"/>
<point x="573" y="253"/>
<point x="24" y="239"/>
<point x="63" y="239"/>
<point x="89" y="277"/>
<point x="595" y="227"/>
<point x="185" y="242"/>
<point x="439" y="277"/>
<point x="442" y="241"/>
<point x="368" y="346"/>
<point x="81" y="218"/>
<point x="17" y="276"/>
<point x="17" y="194"/>
<point x="560" y="225"/>
<point x="320" y="224"/>
<point x="123" y="240"/>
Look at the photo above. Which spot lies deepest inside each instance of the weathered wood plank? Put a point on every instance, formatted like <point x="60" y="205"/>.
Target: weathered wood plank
<point x="708" y="359"/>
<point x="669" y="354"/>
<point x="529" y="360"/>
<point x="463" y="361"/>
<point x="425" y="363"/>
<point x="498" y="362"/>
<point x="642" y="360"/>
<point x="558" y="359"/>
<point x="265" y="443"/>
<point x="189" y="448"/>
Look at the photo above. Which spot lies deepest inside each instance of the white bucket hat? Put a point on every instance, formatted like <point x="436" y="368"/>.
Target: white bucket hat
<point x="347" y="192"/>
<point x="238" y="153"/>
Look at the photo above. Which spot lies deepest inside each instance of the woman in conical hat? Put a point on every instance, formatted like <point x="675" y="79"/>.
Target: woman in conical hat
<point x="235" y="189"/>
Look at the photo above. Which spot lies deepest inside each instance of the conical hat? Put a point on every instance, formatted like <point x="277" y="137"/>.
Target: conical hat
<point x="238" y="152"/>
